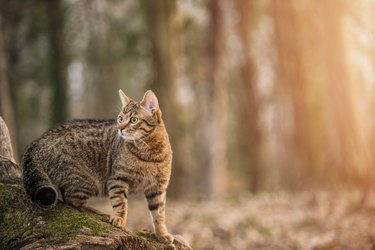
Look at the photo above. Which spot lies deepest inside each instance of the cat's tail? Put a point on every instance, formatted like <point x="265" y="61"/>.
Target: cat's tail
<point x="37" y="184"/>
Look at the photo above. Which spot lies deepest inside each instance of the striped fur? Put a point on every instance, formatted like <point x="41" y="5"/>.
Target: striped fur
<point x="85" y="158"/>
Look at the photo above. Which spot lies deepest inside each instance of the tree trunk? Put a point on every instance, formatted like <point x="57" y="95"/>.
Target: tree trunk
<point x="249" y="139"/>
<point x="6" y="104"/>
<point x="213" y="138"/>
<point x="160" y="17"/>
<point x="101" y="76"/>
<point x="59" y="100"/>
<point x="313" y="85"/>
<point x="23" y="226"/>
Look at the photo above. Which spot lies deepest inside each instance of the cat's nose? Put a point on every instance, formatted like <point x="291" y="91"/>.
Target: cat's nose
<point x="122" y="131"/>
<point x="120" y="127"/>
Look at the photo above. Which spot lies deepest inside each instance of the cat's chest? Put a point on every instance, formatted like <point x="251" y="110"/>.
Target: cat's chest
<point x="141" y="176"/>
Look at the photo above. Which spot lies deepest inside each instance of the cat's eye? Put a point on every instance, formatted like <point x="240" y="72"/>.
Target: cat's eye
<point x="120" y="119"/>
<point x="133" y="119"/>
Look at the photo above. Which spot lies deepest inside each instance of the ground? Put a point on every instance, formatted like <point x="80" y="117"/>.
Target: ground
<point x="320" y="220"/>
<point x="306" y="220"/>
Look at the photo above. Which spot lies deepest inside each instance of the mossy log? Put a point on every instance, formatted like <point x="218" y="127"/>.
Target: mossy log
<point x="24" y="226"/>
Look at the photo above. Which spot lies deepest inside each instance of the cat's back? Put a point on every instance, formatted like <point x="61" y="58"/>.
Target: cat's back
<point x="79" y="129"/>
<point x="71" y="157"/>
<point x="75" y="136"/>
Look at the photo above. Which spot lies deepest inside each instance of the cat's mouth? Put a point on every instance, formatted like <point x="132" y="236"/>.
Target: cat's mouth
<point x="125" y="135"/>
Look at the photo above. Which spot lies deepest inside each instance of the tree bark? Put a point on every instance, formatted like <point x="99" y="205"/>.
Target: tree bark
<point x="250" y="138"/>
<point x="23" y="226"/>
<point x="213" y="151"/>
<point x="59" y="100"/>
<point x="313" y="86"/>
<point x="6" y="104"/>
<point x="101" y="61"/>
<point x="161" y="18"/>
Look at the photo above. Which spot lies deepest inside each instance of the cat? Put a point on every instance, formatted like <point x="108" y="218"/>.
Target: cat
<point x="85" y="158"/>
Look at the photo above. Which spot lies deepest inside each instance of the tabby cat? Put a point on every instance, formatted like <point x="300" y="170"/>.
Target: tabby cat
<point x="85" y="158"/>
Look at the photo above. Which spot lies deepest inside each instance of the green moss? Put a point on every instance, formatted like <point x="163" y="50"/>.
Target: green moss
<point x="20" y="220"/>
<point x="9" y="195"/>
<point x="14" y="216"/>
<point x="13" y="226"/>
<point x="147" y="234"/>
<point x="65" y="222"/>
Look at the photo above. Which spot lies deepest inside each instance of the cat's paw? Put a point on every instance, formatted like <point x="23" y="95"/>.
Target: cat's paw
<point x="117" y="221"/>
<point x="166" y="238"/>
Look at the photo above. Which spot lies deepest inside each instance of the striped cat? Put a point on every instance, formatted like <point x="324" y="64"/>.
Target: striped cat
<point x="85" y="158"/>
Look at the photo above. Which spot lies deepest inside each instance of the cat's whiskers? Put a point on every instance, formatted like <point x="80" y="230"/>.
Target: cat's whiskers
<point x="135" y="143"/>
<point x="141" y="141"/>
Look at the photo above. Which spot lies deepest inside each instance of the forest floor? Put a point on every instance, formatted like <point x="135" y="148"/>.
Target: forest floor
<point x="307" y="220"/>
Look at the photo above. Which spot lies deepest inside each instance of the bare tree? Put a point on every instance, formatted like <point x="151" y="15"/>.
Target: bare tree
<point x="101" y="80"/>
<point x="57" y="62"/>
<point x="6" y="102"/>
<point x="249" y="137"/>
<point x="212" y="142"/>
<point x="314" y="90"/>
<point x="161" y="17"/>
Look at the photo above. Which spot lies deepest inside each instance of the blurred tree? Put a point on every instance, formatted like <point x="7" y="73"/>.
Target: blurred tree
<point x="213" y="139"/>
<point x="359" y="30"/>
<point x="6" y="104"/>
<point x="57" y="61"/>
<point x="101" y="79"/>
<point x="291" y="92"/>
<point x="11" y="14"/>
<point x="249" y="136"/>
<point x="313" y="88"/>
<point x="161" y="20"/>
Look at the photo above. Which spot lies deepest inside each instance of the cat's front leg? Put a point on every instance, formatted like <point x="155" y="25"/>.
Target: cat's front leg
<point x="156" y="200"/>
<point x="118" y="195"/>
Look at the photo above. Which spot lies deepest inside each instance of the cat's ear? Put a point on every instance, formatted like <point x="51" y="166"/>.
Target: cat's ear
<point x="150" y="102"/>
<point x="124" y="99"/>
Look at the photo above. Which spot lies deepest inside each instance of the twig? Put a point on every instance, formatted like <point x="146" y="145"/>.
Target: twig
<point x="8" y="159"/>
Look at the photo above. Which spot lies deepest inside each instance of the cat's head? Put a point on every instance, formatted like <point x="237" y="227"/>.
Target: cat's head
<point x="137" y="120"/>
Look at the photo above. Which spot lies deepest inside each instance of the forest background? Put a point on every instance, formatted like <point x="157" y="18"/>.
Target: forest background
<point x="258" y="96"/>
